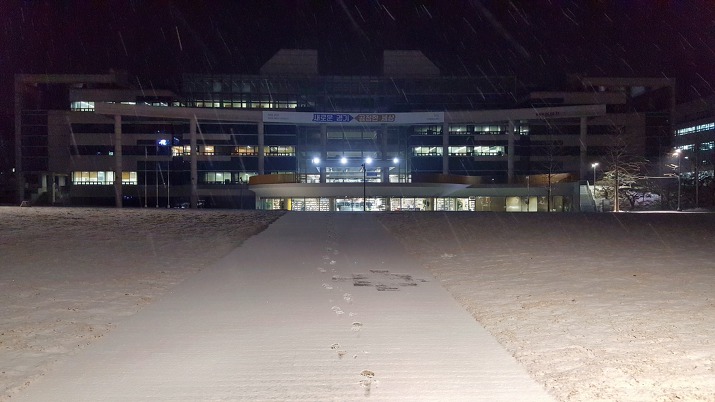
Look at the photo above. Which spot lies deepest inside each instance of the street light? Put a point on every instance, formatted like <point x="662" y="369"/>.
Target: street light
<point x="678" y="153"/>
<point x="594" y="165"/>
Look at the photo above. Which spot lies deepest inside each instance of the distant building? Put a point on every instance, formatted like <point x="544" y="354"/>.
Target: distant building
<point x="290" y="138"/>
<point x="694" y="148"/>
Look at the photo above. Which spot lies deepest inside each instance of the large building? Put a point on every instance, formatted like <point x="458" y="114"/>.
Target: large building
<point x="291" y="138"/>
<point x="694" y="150"/>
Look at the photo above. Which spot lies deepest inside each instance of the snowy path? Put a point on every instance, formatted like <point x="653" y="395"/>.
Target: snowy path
<point x="317" y="307"/>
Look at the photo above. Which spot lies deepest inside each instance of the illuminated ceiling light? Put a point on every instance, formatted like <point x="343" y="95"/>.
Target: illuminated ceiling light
<point x="395" y="160"/>
<point x="316" y="161"/>
<point x="343" y="160"/>
<point x="368" y="160"/>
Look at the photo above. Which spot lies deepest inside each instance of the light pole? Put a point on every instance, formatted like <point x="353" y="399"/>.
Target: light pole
<point x="145" y="175"/>
<point x="364" y="186"/>
<point x="168" y="181"/>
<point x="368" y="161"/>
<point x="594" y="165"/>
<point x="156" y="172"/>
<point x="528" y="183"/>
<point x="678" y="153"/>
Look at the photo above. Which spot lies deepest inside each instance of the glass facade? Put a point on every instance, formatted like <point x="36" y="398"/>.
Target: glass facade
<point x="102" y="178"/>
<point x="474" y="204"/>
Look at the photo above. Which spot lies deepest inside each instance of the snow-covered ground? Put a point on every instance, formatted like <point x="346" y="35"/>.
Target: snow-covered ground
<point x="612" y="307"/>
<point x="70" y="275"/>
<point x="595" y="306"/>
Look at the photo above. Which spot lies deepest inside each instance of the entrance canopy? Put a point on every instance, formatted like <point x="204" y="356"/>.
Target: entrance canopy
<point x="354" y="190"/>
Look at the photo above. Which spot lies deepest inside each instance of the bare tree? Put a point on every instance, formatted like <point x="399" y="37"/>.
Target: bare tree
<point x="623" y="171"/>
<point x="550" y="149"/>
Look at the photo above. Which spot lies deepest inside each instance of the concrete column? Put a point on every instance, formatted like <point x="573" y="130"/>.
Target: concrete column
<point x="118" y="160"/>
<point x="510" y="152"/>
<point x="194" y="198"/>
<point x="445" y="148"/>
<point x="53" y="188"/>
<point x="583" y="130"/>
<point x="261" y="151"/>
<point x="383" y="155"/>
<point x="323" y="150"/>
<point x="19" y="172"/>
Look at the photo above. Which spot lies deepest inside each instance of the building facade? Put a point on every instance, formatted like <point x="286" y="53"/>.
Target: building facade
<point x="290" y="138"/>
<point x="693" y="156"/>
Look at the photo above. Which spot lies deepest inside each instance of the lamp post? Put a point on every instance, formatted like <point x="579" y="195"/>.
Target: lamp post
<point x="168" y="181"/>
<point x="156" y="173"/>
<point x="145" y="175"/>
<point x="364" y="186"/>
<point x="528" y="184"/>
<point x="368" y="161"/>
<point x="678" y="153"/>
<point x="594" y="165"/>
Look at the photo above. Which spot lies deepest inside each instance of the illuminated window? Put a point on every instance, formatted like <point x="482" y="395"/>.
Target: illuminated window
<point x="489" y="130"/>
<point x="82" y="106"/>
<point x="489" y="151"/>
<point x="181" y="150"/>
<point x="207" y="150"/>
<point x="102" y="178"/>
<point x="428" y="130"/>
<point x="458" y="129"/>
<point x="281" y="150"/>
<point x="695" y="129"/>
<point x="222" y="177"/>
<point x="245" y="150"/>
<point x="128" y="177"/>
<point x="427" y="151"/>
<point x="461" y="151"/>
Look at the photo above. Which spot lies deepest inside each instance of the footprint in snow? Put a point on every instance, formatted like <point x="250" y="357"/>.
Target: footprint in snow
<point x="367" y="381"/>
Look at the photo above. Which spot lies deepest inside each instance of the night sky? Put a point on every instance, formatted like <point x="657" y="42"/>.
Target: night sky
<point x="536" y="40"/>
